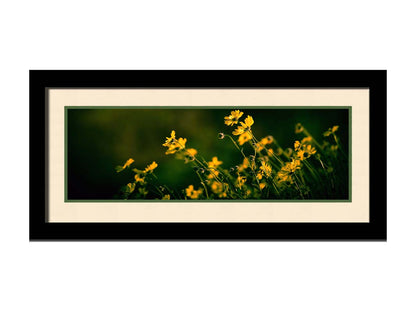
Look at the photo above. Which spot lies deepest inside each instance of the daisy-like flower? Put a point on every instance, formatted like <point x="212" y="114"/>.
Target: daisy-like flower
<point x="248" y="122"/>
<point x="219" y="189"/>
<point x="244" y="165"/>
<point x="245" y="137"/>
<point x="263" y="142"/>
<point x="294" y="165"/>
<point x="285" y="173"/>
<point x="283" y="176"/>
<point x="291" y="167"/>
<point x="239" y="130"/>
<point x="266" y="168"/>
<point x="233" y="118"/>
<point x="151" y="167"/>
<point x="303" y="150"/>
<point x="240" y="181"/>
<point x="139" y="178"/>
<point x="214" y="163"/>
<point x="244" y="126"/>
<point x="176" y="146"/>
<point x="213" y="173"/>
<point x="191" y="151"/>
<point x="193" y="193"/>
<point x="170" y="139"/>
<point x="309" y="150"/>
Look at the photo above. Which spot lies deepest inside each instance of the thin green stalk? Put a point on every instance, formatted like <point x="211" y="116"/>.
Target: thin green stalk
<point x="251" y="167"/>
<point x="297" y="186"/>
<point x="203" y="184"/>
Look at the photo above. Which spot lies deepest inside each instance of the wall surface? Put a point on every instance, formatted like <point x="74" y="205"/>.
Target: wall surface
<point x="208" y="276"/>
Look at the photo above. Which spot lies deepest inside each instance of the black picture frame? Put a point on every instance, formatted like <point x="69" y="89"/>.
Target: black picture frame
<point x="41" y="80"/>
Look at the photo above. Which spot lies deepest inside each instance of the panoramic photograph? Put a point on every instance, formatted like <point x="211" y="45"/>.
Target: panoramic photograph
<point x="207" y="153"/>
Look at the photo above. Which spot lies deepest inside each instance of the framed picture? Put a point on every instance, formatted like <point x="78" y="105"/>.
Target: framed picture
<point x="208" y="155"/>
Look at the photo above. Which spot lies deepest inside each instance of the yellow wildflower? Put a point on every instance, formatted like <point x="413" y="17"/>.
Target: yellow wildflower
<point x="240" y="181"/>
<point x="262" y="185"/>
<point x="214" y="163"/>
<point x="130" y="187"/>
<point x="248" y="122"/>
<point x="244" y="165"/>
<point x="245" y="137"/>
<point x="289" y="168"/>
<point x="266" y="168"/>
<point x="239" y="130"/>
<point x="304" y="151"/>
<point x="166" y="197"/>
<point x="192" y="193"/>
<point x="139" y="178"/>
<point x="310" y="150"/>
<point x="233" y="118"/>
<point x="294" y="165"/>
<point x="331" y="131"/>
<point x="300" y="154"/>
<point x="285" y="173"/>
<point x="175" y="146"/>
<point x="259" y="147"/>
<point x="170" y="139"/>
<point x="151" y="167"/>
<point x="307" y="139"/>
<point x="213" y="173"/>
<point x="191" y="151"/>
<point x="127" y="163"/>
<point x="222" y="195"/>
<point x="283" y="176"/>
<point x="188" y="154"/>
<point x="219" y="189"/>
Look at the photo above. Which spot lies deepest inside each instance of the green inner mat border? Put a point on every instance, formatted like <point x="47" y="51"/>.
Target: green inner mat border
<point x="349" y="200"/>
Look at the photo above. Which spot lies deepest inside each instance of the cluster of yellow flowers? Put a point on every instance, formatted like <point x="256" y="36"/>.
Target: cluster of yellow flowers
<point x="244" y="129"/>
<point x="193" y="193"/>
<point x="269" y="172"/>
<point x="208" y="169"/>
<point x="174" y="145"/>
<point x="140" y="179"/>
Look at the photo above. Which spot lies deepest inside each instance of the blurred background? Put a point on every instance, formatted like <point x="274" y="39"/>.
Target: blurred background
<point x="99" y="139"/>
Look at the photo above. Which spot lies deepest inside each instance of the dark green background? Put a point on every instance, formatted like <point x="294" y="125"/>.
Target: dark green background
<point x="99" y="139"/>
